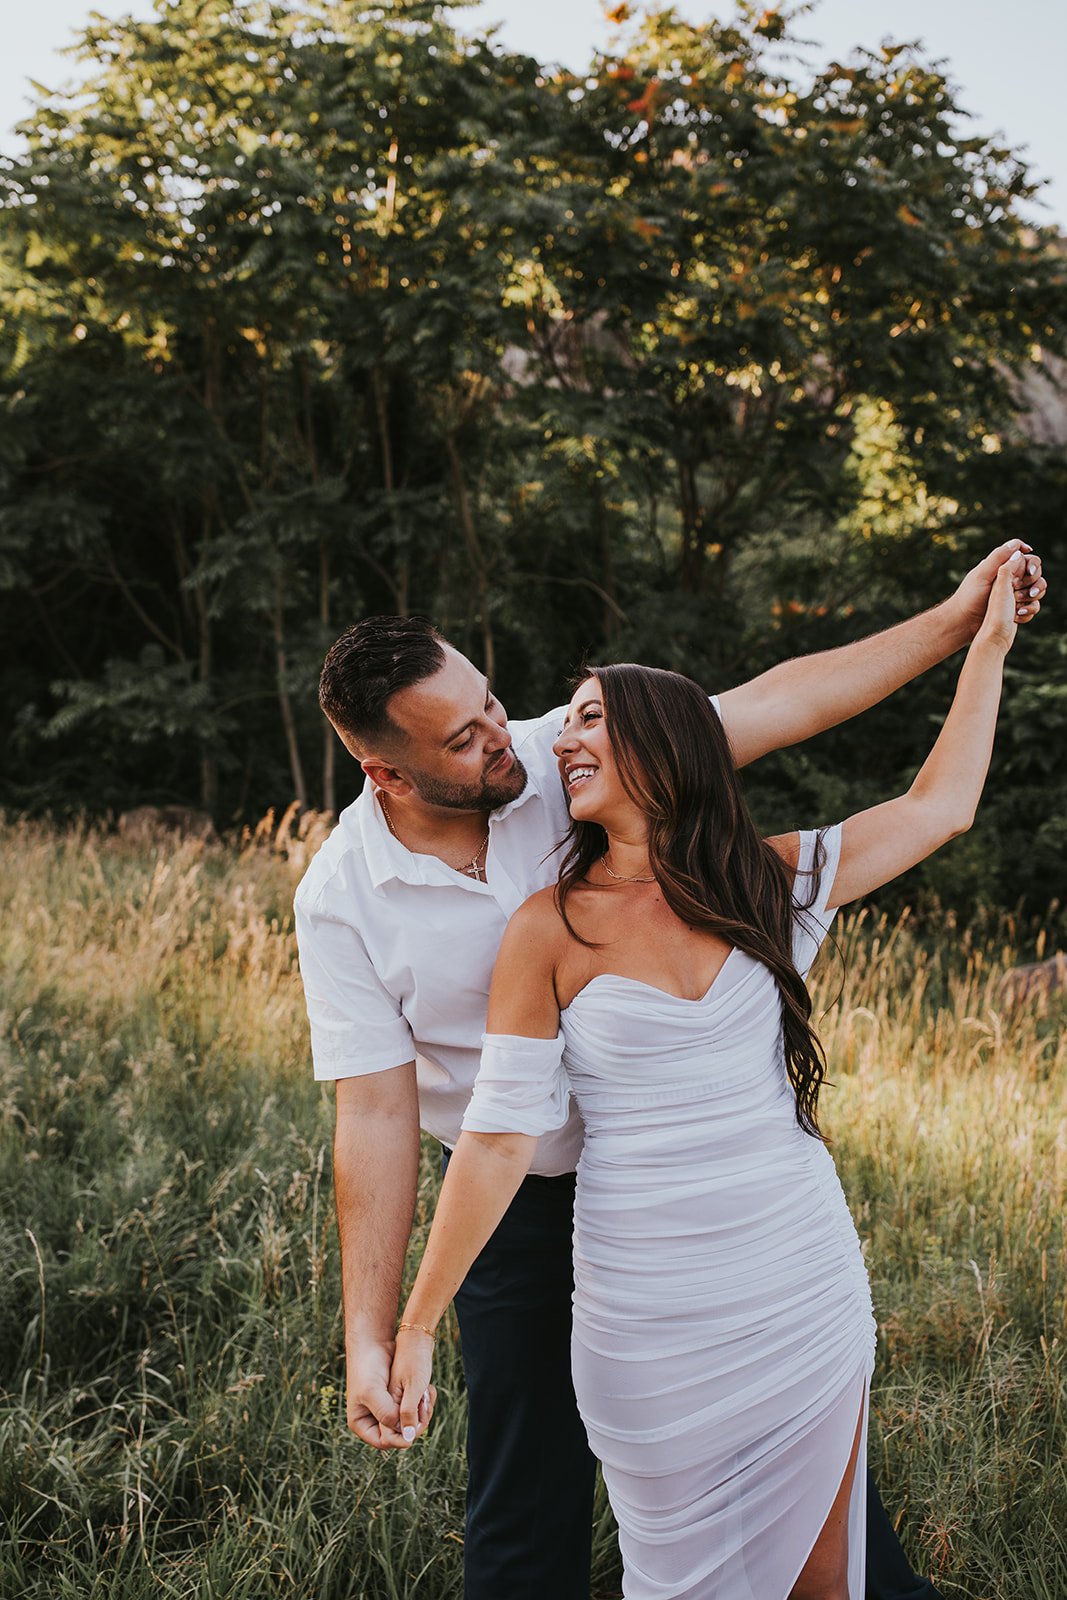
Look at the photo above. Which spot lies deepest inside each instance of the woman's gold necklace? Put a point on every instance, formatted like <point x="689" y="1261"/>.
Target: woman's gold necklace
<point x="618" y="876"/>
<point x="473" y="869"/>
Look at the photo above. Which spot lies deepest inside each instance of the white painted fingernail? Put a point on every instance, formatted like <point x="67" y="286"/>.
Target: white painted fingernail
<point x="409" y="1434"/>
<point x="1034" y="592"/>
<point x="1032" y="568"/>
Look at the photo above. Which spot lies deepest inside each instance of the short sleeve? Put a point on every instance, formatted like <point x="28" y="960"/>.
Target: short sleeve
<point x="521" y="1086"/>
<point x="820" y="852"/>
<point x="356" y="1025"/>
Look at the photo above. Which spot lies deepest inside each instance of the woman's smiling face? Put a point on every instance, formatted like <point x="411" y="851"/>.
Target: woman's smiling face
<point x="586" y="758"/>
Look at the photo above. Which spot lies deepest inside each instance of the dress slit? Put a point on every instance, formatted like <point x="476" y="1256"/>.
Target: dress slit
<point x="857" y="1502"/>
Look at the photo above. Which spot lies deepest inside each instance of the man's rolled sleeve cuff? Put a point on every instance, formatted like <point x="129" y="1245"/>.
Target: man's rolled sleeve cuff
<point x="351" y="1050"/>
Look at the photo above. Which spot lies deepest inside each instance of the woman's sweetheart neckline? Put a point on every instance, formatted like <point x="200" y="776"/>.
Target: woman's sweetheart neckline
<point x="685" y="1000"/>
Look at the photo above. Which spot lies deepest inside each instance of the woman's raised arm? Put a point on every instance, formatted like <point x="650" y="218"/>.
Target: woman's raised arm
<point x="879" y="844"/>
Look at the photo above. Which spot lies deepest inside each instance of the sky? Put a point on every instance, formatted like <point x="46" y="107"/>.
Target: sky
<point x="1007" y="61"/>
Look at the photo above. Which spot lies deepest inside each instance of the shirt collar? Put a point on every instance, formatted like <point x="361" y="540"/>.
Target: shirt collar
<point x="387" y="858"/>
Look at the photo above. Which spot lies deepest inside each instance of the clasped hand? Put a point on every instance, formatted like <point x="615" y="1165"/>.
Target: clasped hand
<point x="1029" y="587"/>
<point x="376" y="1386"/>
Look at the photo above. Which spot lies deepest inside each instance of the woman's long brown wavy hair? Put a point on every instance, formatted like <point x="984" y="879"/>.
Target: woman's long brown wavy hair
<point x="715" y="870"/>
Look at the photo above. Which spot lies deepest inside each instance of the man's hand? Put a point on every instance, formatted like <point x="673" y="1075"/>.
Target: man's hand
<point x="972" y="597"/>
<point x="373" y="1414"/>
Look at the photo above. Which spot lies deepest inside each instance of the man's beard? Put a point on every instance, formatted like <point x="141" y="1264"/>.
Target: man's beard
<point x="485" y="796"/>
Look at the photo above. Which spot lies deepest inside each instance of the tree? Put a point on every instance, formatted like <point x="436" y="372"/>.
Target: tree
<point x="260" y="219"/>
<point x="310" y="311"/>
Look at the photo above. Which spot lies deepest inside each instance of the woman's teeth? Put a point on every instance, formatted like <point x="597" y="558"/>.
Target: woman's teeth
<point x="579" y="774"/>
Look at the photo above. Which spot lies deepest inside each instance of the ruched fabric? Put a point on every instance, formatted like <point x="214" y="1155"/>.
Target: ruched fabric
<point x="723" y="1336"/>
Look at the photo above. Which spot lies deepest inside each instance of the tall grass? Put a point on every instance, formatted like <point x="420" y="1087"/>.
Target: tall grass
<point x="172" y="1410"/>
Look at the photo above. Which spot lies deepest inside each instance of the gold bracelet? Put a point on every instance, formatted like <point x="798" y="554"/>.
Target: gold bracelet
<point x="416" y="1327"/>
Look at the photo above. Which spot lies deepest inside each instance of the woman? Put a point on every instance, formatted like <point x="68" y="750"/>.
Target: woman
<point x="723" y="1337"/>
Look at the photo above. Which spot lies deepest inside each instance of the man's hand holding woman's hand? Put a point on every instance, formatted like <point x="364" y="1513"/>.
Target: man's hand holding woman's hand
<point x="373" y="1414"/>
<point x="971" y="599"/>
<point x="379" y="1378"/>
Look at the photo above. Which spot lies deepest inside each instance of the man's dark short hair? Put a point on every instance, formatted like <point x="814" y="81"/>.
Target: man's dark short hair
<point x="372" y="661"/>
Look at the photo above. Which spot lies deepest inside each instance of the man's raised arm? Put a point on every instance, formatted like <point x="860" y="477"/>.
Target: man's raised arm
<point x="800" y="698"/>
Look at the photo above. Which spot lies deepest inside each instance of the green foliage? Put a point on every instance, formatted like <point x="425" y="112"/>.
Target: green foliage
<point x="308" y="312"/>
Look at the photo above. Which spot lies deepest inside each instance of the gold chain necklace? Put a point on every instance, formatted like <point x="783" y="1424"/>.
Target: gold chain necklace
<point x="618" y="876"/>
<point x="473" y="869"/>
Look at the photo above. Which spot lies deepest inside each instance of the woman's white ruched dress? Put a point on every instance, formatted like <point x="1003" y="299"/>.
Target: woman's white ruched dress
<point x="723" y="1335"/>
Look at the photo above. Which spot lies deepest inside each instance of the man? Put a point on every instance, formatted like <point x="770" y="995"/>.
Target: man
<point x="399" y="918"/>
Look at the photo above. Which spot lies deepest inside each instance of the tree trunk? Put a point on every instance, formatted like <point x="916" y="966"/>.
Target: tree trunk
<point x="692" y="565"/>
<point x="205" y="662"/>
<point x="285" y="704"/>
<point x="197" y="615"/>
<point x="479" y="572"/>
<point x="205" y="641"/>
<point x="329" y="769"/>
<point x="329" y="738"/>
<point x="610" y="612"/>
<point x="401" y="582"/>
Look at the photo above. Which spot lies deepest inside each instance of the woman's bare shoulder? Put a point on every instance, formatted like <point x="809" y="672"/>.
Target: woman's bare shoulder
<point x="524" y="977"/>
<point x="537" y="922"/>
<point x="538" y="909"/>
<point x="539" y="930"/>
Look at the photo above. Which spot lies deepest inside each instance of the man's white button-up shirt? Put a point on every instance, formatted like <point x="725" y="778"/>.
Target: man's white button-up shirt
<point x="397" y="949"/>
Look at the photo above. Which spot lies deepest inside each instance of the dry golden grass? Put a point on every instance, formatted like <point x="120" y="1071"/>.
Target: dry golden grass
<point x="171" y="1419"/>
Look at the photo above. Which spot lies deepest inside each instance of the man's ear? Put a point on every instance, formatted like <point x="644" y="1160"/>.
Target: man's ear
<point x="386" y="777"/>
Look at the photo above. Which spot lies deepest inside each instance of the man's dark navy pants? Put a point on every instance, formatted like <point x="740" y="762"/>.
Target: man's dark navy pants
<point x="531" y="1473"/>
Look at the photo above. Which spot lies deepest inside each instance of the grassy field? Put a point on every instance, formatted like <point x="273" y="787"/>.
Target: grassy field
<point x="172" y="1414"/>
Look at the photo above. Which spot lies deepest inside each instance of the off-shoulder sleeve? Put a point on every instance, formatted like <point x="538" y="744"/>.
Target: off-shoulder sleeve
<point x="521" y="1086"/>
<point x="820" y="852"/>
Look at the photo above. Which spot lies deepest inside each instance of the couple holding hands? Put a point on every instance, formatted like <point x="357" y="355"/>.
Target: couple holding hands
<point x="562" y="946"/>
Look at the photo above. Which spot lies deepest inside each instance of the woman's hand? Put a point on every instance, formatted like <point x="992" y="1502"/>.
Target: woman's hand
<point x="1000" y="624"/>
<point x="409" y="1382"/>
<point x="971" y="599"/>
